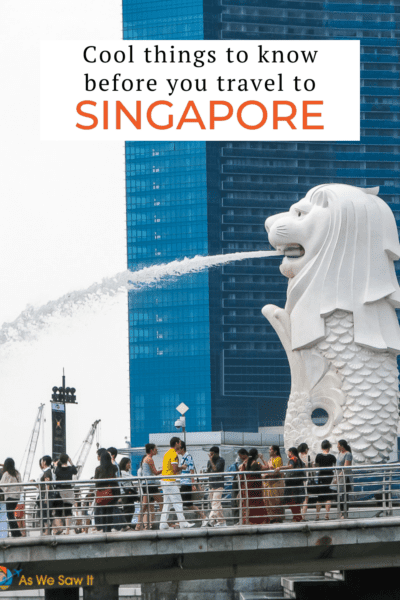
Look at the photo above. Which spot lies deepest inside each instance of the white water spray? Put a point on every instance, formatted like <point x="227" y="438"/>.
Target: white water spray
<point x="32" y="320"/>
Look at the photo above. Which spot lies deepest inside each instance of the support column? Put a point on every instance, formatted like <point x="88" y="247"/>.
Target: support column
<point x="101" y="592"/>
<point x="62" y="594"/>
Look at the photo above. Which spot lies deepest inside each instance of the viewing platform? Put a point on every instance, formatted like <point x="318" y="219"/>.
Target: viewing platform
<point x="367" y="537"/>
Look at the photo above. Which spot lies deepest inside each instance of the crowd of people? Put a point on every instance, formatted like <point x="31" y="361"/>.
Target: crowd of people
<point x="252" y="490"/>
<point x="267" y="487"/>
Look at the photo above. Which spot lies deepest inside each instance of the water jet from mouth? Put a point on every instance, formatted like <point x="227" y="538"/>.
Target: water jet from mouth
<point x="31" y="321"/>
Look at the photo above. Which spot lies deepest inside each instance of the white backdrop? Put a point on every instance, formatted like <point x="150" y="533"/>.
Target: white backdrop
<point x="62" y="227"/>
<point x="67" y="81"/>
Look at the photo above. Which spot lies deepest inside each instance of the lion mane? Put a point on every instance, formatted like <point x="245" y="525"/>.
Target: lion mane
<point x="353" y="271"/>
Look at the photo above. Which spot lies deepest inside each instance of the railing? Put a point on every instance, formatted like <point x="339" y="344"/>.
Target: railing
<point x="229" y="499"/>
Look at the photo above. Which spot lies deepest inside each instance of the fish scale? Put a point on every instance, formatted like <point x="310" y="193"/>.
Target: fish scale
<point x="370" y="384"/>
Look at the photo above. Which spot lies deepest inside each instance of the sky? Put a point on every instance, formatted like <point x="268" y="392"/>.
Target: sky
<point x="62" y="228"/>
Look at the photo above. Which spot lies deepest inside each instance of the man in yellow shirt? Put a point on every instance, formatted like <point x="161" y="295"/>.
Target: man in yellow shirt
<point x="170" y="486"/>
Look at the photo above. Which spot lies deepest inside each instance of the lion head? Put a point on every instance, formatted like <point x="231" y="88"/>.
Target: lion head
<point x="340" y="243"/>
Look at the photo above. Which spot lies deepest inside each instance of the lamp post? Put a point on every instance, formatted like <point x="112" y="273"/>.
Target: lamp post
<point x="181" y="422"/>
<point x="59" y="398"/>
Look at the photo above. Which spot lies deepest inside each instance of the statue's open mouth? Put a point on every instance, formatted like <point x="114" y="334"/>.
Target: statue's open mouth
<point x="293" y="250"/>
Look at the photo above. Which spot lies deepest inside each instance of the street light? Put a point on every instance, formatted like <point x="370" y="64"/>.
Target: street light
<point x="181" y="422"/>
<point x="63" y="394"/>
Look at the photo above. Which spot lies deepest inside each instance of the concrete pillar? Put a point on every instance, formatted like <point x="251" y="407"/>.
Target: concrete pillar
<point x="205" y="589"/>
<point x="62" y="594"/>
<point x="101" y="592"/>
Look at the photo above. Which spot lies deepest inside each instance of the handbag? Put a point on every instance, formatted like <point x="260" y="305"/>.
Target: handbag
<point x="19" y="515"/>
<point x="67" y="496"/>
<point x="313" y="489"/>
<point x="54" y="495"/>
<point x="311" y="483"/>
<point x="198" y="495"/>
<point x="103" y="496"/>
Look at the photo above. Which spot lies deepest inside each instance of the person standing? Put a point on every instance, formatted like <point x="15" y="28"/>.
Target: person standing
<point x="188" y="483"/>
<point x="107" y="491"/>
<point x="131" y="496"/>
<point x="113" y="452"/>
<point x="118" y="519"/>
<point x="170" y="487"/>
<point x="49" y="499"/>
<point x="294" y="483"/>
<point x="97" y="514"/>
<point x="234" y="485"/>
<point x="151" y="490"/>
<point x="304" y="455"/>
<point x="345" y="459"/>
<point x="53" y="467"/>
<point x="11" y="494"/>
<point x="274" y="486"/>
<point x="254" y="511"/>
<point x="65" y="471"/>
<point x="324" y="459"/>
<point x="216" y="465"/>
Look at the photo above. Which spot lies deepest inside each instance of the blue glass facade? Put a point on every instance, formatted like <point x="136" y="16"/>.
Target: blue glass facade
<point x="160" y="20"/>
<point x="244" y="182"/>
<point x="169" y="342"/>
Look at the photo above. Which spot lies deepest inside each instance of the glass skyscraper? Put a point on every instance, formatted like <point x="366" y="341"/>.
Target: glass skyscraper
<point x="201" y="339"/>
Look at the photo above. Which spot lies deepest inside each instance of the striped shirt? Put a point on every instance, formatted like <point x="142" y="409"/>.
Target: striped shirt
<point x="188" y="461"/>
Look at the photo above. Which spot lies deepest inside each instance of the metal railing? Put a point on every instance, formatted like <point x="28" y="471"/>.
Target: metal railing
<point x="226" y="499"/>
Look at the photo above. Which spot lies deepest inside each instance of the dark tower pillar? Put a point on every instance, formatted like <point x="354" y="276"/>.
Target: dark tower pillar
<point x="60" y="397"/>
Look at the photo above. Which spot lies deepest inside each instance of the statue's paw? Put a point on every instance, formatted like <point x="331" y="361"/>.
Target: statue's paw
<point x="280" y="321"/>
<point x="278" y="317"/>
<point x="270" y="311"/>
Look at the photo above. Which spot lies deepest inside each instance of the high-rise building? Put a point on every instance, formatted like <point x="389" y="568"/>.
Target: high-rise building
<point x="201" y="339"/>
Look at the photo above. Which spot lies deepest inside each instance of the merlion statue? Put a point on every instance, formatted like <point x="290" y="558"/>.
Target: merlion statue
<point x="339" y="326"/>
